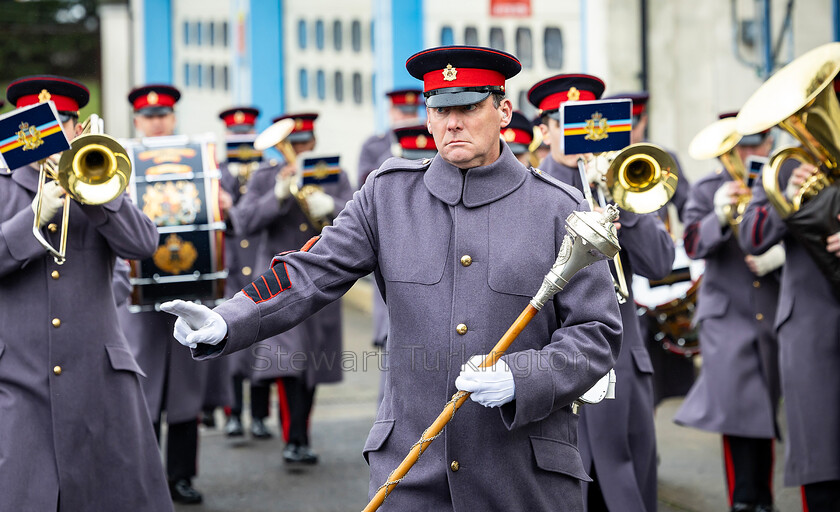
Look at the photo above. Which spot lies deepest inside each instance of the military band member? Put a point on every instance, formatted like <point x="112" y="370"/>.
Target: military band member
<point x="175" y="384"/>
<point x="617" y="437"/>
<point x="806" y="325"/>
<point x="241" y="260"/>
<point x="459" y="245"/>
<point x="74" y="430"/>
<point x="737" y="392"/>
<point x="310" y="353"/>
<point x="519" y="134"/>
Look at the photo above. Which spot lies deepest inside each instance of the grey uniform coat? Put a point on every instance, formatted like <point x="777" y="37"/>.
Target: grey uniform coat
<point x="738" y="389"/>
<point x="511" y="222"/>
<point x="74" y="430"/>
<point x="312" y="350"/>
<point x="807" y="325"/>
<point x="617" y="437"/>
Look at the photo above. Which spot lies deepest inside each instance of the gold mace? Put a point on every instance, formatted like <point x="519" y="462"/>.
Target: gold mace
<point x="590" y="237"/>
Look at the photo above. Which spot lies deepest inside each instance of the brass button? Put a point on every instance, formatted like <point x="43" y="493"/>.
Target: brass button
<point x="246" y="271"/>
<point x="57" y="370"/>
<point x="455" y="466"/>
<point x="304" y="226"/>
<point x="756" y="284"/>
<point x="56" y="322"/>
<point x="461" y="328"/>
<point x="244" y="244"/>
<point x="54" y="274"/>
<point x="243" y="189"/>
<point x="759" y="317"/>
<point x="53" y="227"/>
<point x="466" y="260"/>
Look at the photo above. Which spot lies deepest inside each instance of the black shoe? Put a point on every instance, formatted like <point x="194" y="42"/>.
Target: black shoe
<point x="765" y="508"/>
<point x="208" y="419"/>
<point x="291" y="454"/>
<point x="259" y="430"/>
<point x="307" y="456"/>
<point x="299" y="454"/>
<point x="233" y="427"/>
<point x="182" y="492"/>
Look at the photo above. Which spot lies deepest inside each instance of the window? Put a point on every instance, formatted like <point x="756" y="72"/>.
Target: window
<point x="339" y="87"/>
<point x="186" y="74"/>
<point x="357" y="88"/>
<point x="524" y="47"/>
<point x="195" y="75"/>
<point x="356" y="35"/>
<point x="223" y="37"/>
<point x="211" y="33"/>
<point x="497" y="38"/>
<point x="471" y="36"/>
<point x="338" y="35"/>
<point x="303" y="83"/>
<point x="302" y="34"/>
<point x="186" y="33"/>
<point x="225" y="78"/>
<point x="372" y="34"/>
<point x="447" y="37"/>
<point x="319" y="34"/>
<point x="321" y="83"/>
<point x="198" y="34"/>
<point x="199" y="75"/>
<point x="195" y="37"/>
<point x="211" y="76"/>
<point x="553" y="43"/>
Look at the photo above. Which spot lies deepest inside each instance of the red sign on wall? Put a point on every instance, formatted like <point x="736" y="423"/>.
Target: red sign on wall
<point x="510" y="8"/>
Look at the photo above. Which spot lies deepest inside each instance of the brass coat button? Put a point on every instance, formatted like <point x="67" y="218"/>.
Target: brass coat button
<point x="52" y="227"/>
<point x="56" y="322"/>
<point x="243" y="189"/>
<point x="759" y="317"/>
<point x="246" y="271"/>
<point x="466" y="260"/>
<point x="54" y="274"/>
<point x="756" y="284"/>
<point x="57" y="370"/>
<point x="455" y="466"/>
<point x="461" y="328"/>
<point x="244" y="244"/>
<point x="304" y="226"/>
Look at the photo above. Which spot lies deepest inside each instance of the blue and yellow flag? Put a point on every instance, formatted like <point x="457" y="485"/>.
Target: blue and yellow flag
<point x="31" y="133"/>
<point x="320" y="170"/>
<point x="595" y="126"/>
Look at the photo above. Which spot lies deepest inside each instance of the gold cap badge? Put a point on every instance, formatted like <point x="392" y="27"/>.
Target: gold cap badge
<point x="450" y="73"/>
<point x="509" y="135"/>
<point x="44" y="96"/>
<point x="422" y="141"/>
<point x="574" y="94"/>
<point x="410" y="97"/>
<point x="238" y="117"/>
<point x="299" y="124"/>
<point x="152" y="98"/>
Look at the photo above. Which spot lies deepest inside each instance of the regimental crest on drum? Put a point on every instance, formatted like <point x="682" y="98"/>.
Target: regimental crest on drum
<point x="171" y="203"/>
<point x="176" y="255"/>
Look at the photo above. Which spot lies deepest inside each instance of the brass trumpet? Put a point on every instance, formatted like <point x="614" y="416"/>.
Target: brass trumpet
<point x="95" y="170"/>
<point x="276" y="136"/>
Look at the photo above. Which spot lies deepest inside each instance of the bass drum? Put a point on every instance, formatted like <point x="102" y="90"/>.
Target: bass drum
<point x="667" y="305"/>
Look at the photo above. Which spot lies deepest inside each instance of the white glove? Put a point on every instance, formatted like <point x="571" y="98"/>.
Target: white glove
<point x="767" y="262"/>
<point x="196" y="323"/>
<point x="320" y="204"/>
<point x="723" y="198"/>
<point x="53" y="200"/>
<point x="491" y="387"/>
<point x="281" y="187"/>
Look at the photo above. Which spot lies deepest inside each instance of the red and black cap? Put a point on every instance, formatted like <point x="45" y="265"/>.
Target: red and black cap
<point x="547" y="95"/>
<point x="753" y="139"/>
<point x="519" y="133"/>
<point x="461" y="75"/>
<point x="415" y="142"/>
<point x="67" y="94"/>
<point x="406" y="99"/>
<point x="154" y="99"/>
<point x="240" y="119"/>
<point x="639" y="98"/>
<point x="304" y="129"/>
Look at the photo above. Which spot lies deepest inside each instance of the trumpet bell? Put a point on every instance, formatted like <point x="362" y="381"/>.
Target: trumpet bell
<point x="642" y="178"/>
<point x="95" y="170"/>
<point x="274" y="134"/>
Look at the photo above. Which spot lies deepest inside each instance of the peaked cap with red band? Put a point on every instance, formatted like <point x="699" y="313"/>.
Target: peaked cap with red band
<point x="416" y="142"/>
<point x="461" y="75"/>
<point x="547" y="95"/>
<point x="239" y="119"/>
<point x="68" y="95"/>
<point x="154" y="99"/>
<point x="519" y="133"/>
<point x="408" y="98"/>
<point x="304" y="129"/>
<point x="640" y="100"/>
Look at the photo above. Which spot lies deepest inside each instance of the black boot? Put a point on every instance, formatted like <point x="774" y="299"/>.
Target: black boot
<point x="233" y="427"/>
<point x="182" y="492"/>
<point x="259" y="430"/>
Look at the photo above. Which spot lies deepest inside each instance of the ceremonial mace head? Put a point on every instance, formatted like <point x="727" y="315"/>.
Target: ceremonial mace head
<point x="590" y="237"/>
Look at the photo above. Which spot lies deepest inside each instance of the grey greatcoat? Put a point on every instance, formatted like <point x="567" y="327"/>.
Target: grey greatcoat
<point x="74" y="430"/>
<point x="807" y="325"/>
<point x="738" y="389"/>
<point x="312" y="350"/>
<point x="617" y="437"/>
<point x="413" y="229"/>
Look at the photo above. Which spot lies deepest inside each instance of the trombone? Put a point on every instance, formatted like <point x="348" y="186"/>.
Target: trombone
<point x="276" y="136"/>
<point x="95" y="170"/>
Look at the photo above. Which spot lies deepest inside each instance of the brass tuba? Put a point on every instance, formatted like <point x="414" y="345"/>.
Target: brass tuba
<point x="276" y="136"/>
<point x="718" y="140"/>
<point x="800" y="99"/>
<point x="95" y="170"/>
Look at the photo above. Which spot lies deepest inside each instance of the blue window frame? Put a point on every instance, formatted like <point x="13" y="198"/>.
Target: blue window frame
<point x="302" y="34"/>
<point x="447" y="36"/>
<point x="319" y="34"/>
<point x="303" y="83"/>
<point x="321" y="83"/>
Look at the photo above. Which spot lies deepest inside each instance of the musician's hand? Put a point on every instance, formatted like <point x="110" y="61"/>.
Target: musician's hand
<point x="196" y="323"/>
<point x="727" y="195"/>
<point x="320" y="204"/>
<point x="600" y="210"/>
<point x="833" y="243"/>
<point x="284" y="181"/>
<point x="52" y="201"/>
<point x="225" y="201"/>
<point x="767" y="262"/>
<point x="797" y="178"/>
<point x="491" y="387"/>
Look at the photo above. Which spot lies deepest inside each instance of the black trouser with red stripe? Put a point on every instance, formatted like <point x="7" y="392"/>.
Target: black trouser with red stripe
<point x="296" y="400"/>
<point x="821" y="496"/>
<point x="259" y="398"/>
<point x="748" y="463"/>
